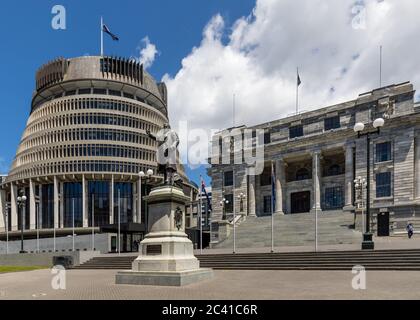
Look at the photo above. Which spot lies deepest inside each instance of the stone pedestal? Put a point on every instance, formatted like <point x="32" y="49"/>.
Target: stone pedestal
<point x="166" y="254"/>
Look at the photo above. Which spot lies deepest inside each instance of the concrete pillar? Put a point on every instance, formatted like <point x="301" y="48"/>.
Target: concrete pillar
<point x="251" y="196"/>
<point x="32" y="205"/>
<point x="111" y="205"/>
<point x="40" y="207"/>
<point x="280" y="174"/>
<point x="56" y="201"/>
<point x="417" y="166"/>
<point x="14" y="208"/>
<point x="316" y="180"/>
<point x="85" y="199"/>
<point x="136" y="198"/>
<point x="349" y="178"/>
<point x="61" y="186"/>
<point x="3" y="209"/>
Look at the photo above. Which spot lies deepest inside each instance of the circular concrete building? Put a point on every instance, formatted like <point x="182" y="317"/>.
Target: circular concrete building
<point x="80" y="155"/>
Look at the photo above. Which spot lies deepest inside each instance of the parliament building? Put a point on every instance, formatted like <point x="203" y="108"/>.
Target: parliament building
<point x="79" y="158"/>
<point x="316" y="157"/>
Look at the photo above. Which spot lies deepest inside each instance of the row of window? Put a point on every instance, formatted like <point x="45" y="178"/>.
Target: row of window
<point x="84" y="134"/>
<point x="106" y="104"/>
<point x="98" y="91"/>
<point x="90" y="119"/>
<point x="80" y="166"/>
<point x="86" y="150"/>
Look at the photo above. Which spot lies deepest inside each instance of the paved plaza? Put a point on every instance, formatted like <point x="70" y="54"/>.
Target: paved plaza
<point x="254" y="285"/>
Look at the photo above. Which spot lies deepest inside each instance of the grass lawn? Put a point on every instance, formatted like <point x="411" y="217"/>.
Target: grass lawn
<point x="4" y="269"/>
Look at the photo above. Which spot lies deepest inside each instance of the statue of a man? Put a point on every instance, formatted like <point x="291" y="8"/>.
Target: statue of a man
<point x="166" y="155"/>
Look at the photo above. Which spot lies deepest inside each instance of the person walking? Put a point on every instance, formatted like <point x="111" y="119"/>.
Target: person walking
<point x="410" y="230"/>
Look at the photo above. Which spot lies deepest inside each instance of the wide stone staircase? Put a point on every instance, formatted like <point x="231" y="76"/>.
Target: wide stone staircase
<point x="334" y="227"/>
<point x="408" y="260"/>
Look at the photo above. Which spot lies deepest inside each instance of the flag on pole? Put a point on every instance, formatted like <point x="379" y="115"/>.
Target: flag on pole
<point x="298" y="79"/>
<point x="106" y="30"/>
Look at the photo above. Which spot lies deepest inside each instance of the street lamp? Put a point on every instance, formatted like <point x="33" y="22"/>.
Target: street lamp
<point x="358" y="128"/>
<point x="223" y="204"/>
<point x="360" y="185"/>
<point x="21" y="202"/>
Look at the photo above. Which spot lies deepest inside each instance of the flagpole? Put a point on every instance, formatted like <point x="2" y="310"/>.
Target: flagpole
<point x="73" y="221"/>
<point x="201" y="216"/>
<point x="272" y="209"/>
<point x="316" y="207"/>
<point x="93" y="222"/>
<point x="380" y="66"/>
<point x="102" y="37"/>
<point x="297" y="91"/>
<point x="119" y="221"/>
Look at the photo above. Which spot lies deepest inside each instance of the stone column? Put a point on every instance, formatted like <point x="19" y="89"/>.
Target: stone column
<point x="417" y="167"/>
<point x="251" y="196"/>
<point x="279" y="185"/>
<point x="85" y="199"/>
<point x="56" y="201"/>
<point x="32" y="205"/>
<point x="111" y="202"/>
<point x="316" y="180"/>
<point x="14" y="208"/>
<point x="348" y="192"/>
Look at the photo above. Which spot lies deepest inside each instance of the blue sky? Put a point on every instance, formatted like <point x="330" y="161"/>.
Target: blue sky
<point x="28" y="41"/>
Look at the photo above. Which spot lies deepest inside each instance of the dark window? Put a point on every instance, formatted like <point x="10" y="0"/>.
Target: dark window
<point x="383" y="151"/>
<point x="47" y="203"/>
<point x="302" y="174"/>
<point x="228" y="178"/>
<point x="125" y="192"/>
<point x="229" y="203"/>
<point x="334" y="170"/>
<point x="73" y="201"/>
<point x="383" y="184"/>
<point x="334" y="198"/>
<point x="332" y="123"/>
<point x="265" y="178"/>
<point x="267" y="204"/>
<point x="84" y="91"/>
<point x="70" y="93"/>
<point x="115" y="93"/>
<point x="296" y="131"/>
<point x="128" y="95"/>
<point x="99" y="91"/>
<point x="267" y="137"/>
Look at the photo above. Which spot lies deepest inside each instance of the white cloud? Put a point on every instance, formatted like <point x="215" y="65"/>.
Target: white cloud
<point x="258" y="61"/>
<point x="148" y="52"/>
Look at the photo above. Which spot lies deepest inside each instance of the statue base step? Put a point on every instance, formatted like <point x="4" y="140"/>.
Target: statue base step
<point x="156" y="278"/>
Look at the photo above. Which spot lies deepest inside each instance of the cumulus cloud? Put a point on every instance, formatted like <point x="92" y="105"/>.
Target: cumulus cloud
<point x="335" y="44"/>
<point x="148" y="52"/>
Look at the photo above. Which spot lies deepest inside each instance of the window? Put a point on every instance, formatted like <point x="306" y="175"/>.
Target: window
<point x="334" y="198"/>
<point x="265" y="178"/>
<point x="84" y="91"/>
<point x="267" y="204"/>
<point x="296" y="131"/>
<point x="115" y="93"/>
<point x="228" y="179"/>
<point x="302" y="174"/>
<point x="229" y="203"/>
<point x="99" y="91"/>
<point x="383" y="184"/>
<point x="383" y="151"/>
<point x="267" y="137"/>
<point x="70" y="93"/>
<point x="334" y="170"/>
<point x="332" y="123"/>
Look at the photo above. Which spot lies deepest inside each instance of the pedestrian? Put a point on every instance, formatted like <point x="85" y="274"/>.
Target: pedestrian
<point x="410" y="230"/>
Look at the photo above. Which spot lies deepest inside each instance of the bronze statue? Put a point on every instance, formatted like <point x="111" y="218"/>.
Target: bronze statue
<point x="166" y="154"/>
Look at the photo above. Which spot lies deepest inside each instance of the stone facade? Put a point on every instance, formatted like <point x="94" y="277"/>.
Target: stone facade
<point x="316" y="156"/>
